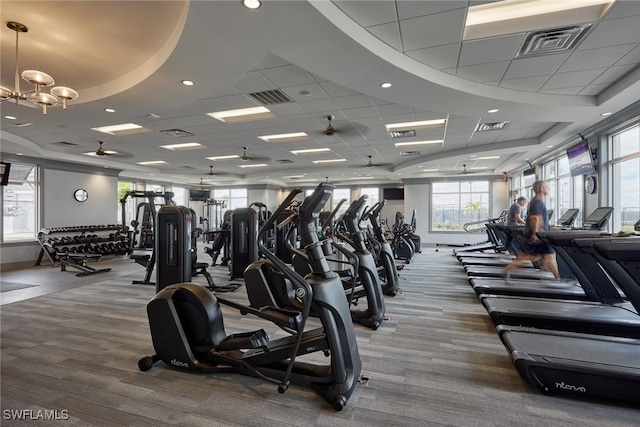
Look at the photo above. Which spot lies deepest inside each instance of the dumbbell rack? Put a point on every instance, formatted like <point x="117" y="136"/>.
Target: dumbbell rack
<point x="81" y="239"/>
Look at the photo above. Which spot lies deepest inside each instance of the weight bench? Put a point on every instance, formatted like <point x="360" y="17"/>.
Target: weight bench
<point x="79" y="262"/>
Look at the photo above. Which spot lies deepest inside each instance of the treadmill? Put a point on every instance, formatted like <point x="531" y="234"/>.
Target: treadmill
<point x="597" y="220"/>
<point x="580" y="289"/>
<point x="582" y="364"/>
<point x="615" y="319"/>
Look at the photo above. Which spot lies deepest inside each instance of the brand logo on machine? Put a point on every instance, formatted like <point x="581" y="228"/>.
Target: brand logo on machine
<point x="300" y="293"/>
<point x="175" y="362"/>
<point x="570" y="387"/>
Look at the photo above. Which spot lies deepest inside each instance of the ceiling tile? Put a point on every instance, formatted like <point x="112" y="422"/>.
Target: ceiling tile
<point x="613" y="74"/>
<point x="393" y="109"/>
<point x="633" y="57"/>
<point x="439" y="57"/>
<point x="334" y="90"/>
<point x="535" y="66"/>
<point x="411" y="9"/>
<point x="529" y="84"/>
<point x="352" y="101"/>
<point x="253" y="81"/>
<point x="594" y="89"/>
<point x="433" y="30"/>
<point x="494" y="49"/>
<point x="565" y="90"/>
<point x="576" y="78"/>
<point x="270" y="61"/>
<point x="288" y="75"/>
<point x="595" y="58"/>
<point x="370" y="12"/>
<point x="611" y="33"/>
<point x="388" y="33"/>
<point x="359" y="113"/>
<point x="286" y="109"/>
<point x="483" y="72"/>
<point x="621" y="9"/>
<point x="315" y="92"/>
<point x="324" y="106"/>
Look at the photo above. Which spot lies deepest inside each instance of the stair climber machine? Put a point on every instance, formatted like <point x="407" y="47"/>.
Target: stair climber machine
<point x="403" y="246"/>
<point x="187" y="326"/>
<point x="364" y="280"/>
<point x="385" y="261"/>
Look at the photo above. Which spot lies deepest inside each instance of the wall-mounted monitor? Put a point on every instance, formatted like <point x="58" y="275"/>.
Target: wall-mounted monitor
<point x="580" y="159"/>
<point x="5" y="168"/>
<point x="199" y="195"/>
<point x="393" y="193"/>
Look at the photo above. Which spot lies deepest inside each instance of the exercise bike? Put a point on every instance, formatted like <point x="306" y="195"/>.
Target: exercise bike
<point x="187" y="327"/>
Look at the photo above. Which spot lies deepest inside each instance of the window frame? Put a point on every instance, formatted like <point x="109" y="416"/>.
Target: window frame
<point x="460" y="207"/>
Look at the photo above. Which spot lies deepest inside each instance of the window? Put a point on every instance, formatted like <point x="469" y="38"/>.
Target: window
<point x="235" y="197"/>
<point x="565" y="191"/>
<point x="625" y="178"/>
<point x="180" y="196"/>
<point x="339" y="194"/>
<point x="156" y="188"/>
<point x="130" y="203"/>
<point x="457" y="203"/>
<point x="373" y="193"/>
<point x="20" y="204"/>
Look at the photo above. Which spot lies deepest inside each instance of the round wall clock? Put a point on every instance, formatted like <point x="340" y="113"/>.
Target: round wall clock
<point x="81" y="195"/>
<point x="591" y="184"/>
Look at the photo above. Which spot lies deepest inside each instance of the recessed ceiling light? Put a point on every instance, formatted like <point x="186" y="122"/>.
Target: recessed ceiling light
<point x="424" y="124"/>
<point x="549" y="146"/>
<point x="187" y="82"/>
<point x="255" y="165"/>
<point x="430" y="170"/>
<point x="329" y="161"/>
<point x="152" y="162"/>
<point x="283" y="137"/>
<point x="608" y="113"/>
<point x="488" y="157"/>
<point x="478" y="168"/>
<point x="123" y="129"/>
<point x="304" y="93"/>
<point x="185" y="146"/>
<point x="252" y="4"/>
<point x="495" y="110"/>
<point x="386" y="85"/>
<point x="229" y="157"/>
<point x="18" y="154"/>
<point x="310" y="151"/>
<point x="242" y="114"/>
<point x="9" y="117"/>
<point x="109" y="110"/>
<point x="361" y="177"/>
<point x="404" y="144"/>
<point x="473" y="155"/>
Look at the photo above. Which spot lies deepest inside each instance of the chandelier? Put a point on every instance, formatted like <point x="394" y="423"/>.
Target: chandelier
<point x="36" y="96"/>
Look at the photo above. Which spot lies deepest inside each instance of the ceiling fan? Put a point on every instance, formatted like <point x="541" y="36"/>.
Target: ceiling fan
<point x="102" y="152"/>
<point x="370" y="164"/>
<point x="350" y="129"/>
<point x="466" y="171"/>
<point x="246" y="158"/>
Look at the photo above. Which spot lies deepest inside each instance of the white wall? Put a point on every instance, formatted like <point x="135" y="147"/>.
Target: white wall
<point x="62" y="210"/>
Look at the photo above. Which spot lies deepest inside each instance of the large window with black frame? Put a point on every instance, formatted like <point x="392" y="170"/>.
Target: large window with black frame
<point x="624" y="167"/>
<point x="20" y="203"/>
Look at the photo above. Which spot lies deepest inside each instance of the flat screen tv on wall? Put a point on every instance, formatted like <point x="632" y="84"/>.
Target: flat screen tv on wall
<point x="199" y="195"/>
<point x="393" y="193"/>
<point x="5" y="168"/>
<point x="580" y="159"/>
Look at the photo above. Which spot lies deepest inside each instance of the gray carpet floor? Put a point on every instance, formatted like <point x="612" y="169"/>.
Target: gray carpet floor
<point x="436" y="361"/>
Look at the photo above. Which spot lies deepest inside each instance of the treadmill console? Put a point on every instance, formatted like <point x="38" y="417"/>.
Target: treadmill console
<point x="598" y="219"/>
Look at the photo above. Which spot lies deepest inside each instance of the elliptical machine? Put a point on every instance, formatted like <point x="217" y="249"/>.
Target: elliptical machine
<point x="385" y="260"/>
<point x="187" y="328"/>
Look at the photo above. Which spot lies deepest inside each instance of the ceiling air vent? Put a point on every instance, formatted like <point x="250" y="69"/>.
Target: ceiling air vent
<point x="409" y="153"/>
<point x="484" y="127"/>
<point x="285" y="161"/>
<point x="402" y="133"/>
<point x="178" y="133"/>
<point x="65" y="144"/>
<point x="556" y="40"/>
<point x="270" y="97"/>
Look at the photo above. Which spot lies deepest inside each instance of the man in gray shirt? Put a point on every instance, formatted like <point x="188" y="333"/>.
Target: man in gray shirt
<point x="516" y="212"/>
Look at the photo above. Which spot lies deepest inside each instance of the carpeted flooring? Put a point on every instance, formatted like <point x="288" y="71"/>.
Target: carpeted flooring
<point x="436" y="361"/>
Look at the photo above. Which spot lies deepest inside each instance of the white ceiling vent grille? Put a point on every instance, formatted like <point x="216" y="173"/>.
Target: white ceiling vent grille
<point x="409" y="153"/>
<point x="556" y="40"/>
<point x="402" y="133"/>
<point x="270" y="97"/>
<point x="484" y="127"/>
<point x="177" y="133"/>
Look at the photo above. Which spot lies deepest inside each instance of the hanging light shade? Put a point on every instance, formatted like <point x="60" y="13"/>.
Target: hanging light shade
<point x="39" y="79"/>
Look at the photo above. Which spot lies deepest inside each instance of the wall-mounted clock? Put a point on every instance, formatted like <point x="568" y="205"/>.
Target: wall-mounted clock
<point x="591" y="184"/>
<point x="81" y="195"/>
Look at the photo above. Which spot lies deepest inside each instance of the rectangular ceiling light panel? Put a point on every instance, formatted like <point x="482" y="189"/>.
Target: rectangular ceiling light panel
<point x="424" y="124"/>
<point x="122" y="129"/>
<point x="329" y="161"/>
<point x="284" y="137"/>
<point x="517" y="16"/>
<point x="228" y="157"/>
<point x="404" y="144"/>
<point x="152" y="162"/>
<point x="185" y="146"/>
<point x="311" y="151"/>
<point x="242" y="114"/>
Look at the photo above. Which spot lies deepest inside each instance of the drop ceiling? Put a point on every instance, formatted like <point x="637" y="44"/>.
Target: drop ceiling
<point x="328" y="58"/>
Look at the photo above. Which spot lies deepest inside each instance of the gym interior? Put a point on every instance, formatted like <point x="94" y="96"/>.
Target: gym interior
<point x="247" y="213"/>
